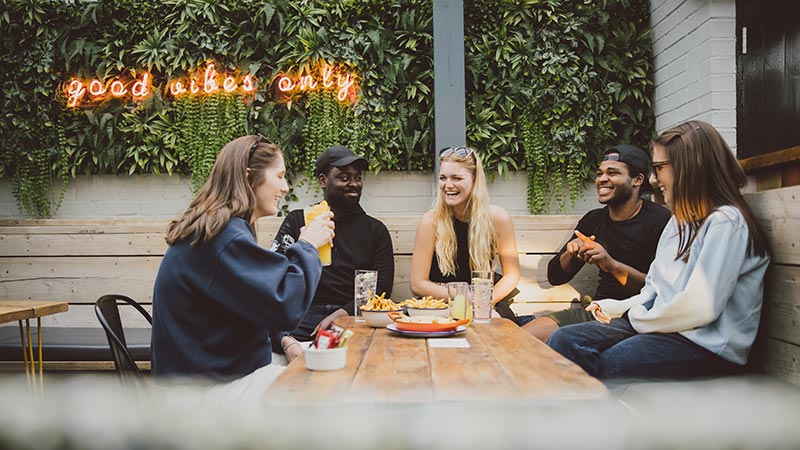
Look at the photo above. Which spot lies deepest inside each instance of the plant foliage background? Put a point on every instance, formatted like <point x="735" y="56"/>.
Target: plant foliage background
<point x="550" y="83"/>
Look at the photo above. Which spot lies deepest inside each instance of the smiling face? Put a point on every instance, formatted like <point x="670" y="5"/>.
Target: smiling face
<point x="270" y="191"/>
<point x="662" y="177"/>
<point x="455" y="184"/>
<point x="614" y="183"/>
<point x="342" y="186"/>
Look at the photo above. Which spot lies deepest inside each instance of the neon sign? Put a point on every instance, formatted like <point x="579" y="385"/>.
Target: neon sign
<point x="332" y="78"/>
<point x="97" y="90"/>
<point x="208" y="81"/>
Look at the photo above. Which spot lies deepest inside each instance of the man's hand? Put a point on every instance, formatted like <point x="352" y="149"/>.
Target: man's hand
<point x="597" y="255"/>
<point x="579" y="244"/>
<point x="594" y="253"/>
<point x="326" y="322"/>
<point x="291" y="348"/>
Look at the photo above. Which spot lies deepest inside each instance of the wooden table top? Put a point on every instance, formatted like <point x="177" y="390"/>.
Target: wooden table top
<point x="503" y="362"/>
<point x="13" y="310"/>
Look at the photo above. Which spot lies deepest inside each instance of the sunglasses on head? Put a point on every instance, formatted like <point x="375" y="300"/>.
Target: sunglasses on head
<point x="260" y="139"/>
<point x="462" y="152"/>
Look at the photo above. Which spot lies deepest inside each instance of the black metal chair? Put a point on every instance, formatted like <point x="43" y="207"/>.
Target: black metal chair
<point x="107" y="311"/>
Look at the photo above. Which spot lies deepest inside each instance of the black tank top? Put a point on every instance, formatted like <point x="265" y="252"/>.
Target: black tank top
<point x="463" y="271"/>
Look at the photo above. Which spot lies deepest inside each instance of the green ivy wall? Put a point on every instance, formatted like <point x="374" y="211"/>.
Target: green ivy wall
<point x="550" y="83"/>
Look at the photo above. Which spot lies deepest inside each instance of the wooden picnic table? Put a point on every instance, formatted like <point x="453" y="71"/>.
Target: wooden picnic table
<point x="503" y="362"/>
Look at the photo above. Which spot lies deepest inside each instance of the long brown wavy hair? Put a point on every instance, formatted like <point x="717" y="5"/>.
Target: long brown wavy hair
<point x="707" y="176"/>
<point x="228" y="192"/>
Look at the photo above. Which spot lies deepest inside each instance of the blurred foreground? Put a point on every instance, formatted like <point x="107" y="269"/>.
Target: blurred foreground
<point x="94" y="413"/>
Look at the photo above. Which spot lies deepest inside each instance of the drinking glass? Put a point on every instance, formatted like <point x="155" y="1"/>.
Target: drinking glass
<point x="310" y="213"/>
<point x="482" y="295"/>
<point x="366" y="281"/>
<point x="458" y="294"/>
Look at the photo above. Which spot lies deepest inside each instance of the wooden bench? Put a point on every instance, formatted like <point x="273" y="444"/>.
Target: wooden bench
<point x="80" y="260"/>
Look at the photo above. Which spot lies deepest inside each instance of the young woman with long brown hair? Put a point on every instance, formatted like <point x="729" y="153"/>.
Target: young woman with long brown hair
<point x="463" y="232"/>
<point x="699" y="310"/>
<point x="218" y="295"/>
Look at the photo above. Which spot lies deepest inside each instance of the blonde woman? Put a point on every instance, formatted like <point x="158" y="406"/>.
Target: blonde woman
<point x="463" y="232"/>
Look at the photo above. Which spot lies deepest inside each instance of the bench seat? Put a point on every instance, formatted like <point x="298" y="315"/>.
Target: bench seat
<point x="73" y="343"/>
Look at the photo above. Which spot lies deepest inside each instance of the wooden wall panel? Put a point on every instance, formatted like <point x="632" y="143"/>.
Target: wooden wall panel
<point x="78" y="279"/>
<point x="783" y="304"/>
<point x="779" y="213"/>
<point x="782" y="360"/>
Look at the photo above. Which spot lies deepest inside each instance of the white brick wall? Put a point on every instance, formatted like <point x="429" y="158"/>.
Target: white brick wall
<point x="385" y="193"/>
<point x="694" y="43"/>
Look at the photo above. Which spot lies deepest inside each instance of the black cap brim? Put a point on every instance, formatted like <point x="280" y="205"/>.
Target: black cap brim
<point x="346" y="161"/>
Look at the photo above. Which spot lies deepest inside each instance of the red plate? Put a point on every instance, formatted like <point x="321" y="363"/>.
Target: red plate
<point x="425" y="327"/>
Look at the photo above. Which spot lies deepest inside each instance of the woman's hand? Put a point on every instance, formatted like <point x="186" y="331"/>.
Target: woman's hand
<point x="326" y="322"/>
<point x="598" y="313"/>
<point x="291" y="348"/>
<point x="320" y="231"/>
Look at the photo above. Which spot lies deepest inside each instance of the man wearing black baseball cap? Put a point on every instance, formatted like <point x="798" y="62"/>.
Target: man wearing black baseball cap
<point x="620" y="238"/>
<point x="361" y="242"/>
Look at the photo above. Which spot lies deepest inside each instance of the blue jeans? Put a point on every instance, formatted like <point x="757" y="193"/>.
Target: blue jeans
<point x="618" y="351"/>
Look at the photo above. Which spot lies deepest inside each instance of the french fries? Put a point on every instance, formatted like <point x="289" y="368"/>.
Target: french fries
<point x="426" y="302"/>
<point x="380" y="303"/>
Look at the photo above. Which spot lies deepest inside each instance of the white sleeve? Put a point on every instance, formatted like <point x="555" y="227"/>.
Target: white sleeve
<point x="709" y="286"/>
<point x="616" y="308"/>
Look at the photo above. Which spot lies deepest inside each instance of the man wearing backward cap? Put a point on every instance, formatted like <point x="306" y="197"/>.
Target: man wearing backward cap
<point x="620" y="238"/>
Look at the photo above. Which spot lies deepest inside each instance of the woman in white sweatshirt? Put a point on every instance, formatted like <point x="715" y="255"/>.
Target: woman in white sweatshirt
<point x="699" y="310"/>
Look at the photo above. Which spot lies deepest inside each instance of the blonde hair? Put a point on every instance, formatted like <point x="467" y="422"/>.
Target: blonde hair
<point x="707" y="176"/>
<point x="228" y="192"/>
<point x="482" y="239"/>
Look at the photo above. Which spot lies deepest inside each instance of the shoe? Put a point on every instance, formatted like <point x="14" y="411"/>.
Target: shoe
<point x="522" y="320"/>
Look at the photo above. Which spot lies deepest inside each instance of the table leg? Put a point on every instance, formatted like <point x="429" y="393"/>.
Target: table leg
<point x="24" y="353"/>
<point x="41" y="374"/>
<point x="30" y="356"/>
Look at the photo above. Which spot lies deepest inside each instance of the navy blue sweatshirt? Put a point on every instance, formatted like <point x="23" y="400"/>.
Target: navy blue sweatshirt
<point x="216" y="305"/>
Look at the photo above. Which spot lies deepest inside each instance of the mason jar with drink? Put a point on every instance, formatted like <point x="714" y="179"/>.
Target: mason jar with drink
<point x="458" y="294"/>
<point x="311" y="213"/>
<point x="482" y="287"/>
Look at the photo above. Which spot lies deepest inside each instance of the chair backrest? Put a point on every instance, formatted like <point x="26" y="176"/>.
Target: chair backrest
<point x="107" y="311"/>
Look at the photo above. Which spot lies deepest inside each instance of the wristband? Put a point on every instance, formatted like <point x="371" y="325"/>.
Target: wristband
<point x="289" y="345"/>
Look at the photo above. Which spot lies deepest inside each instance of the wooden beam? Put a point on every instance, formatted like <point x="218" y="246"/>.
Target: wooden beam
<point x="772" y="159"/>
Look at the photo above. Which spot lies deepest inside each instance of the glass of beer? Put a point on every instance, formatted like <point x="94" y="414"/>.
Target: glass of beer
<point x="311" y="213"/>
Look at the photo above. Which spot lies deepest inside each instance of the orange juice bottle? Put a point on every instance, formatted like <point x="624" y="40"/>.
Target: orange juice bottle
<point x="312" y="212"/>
